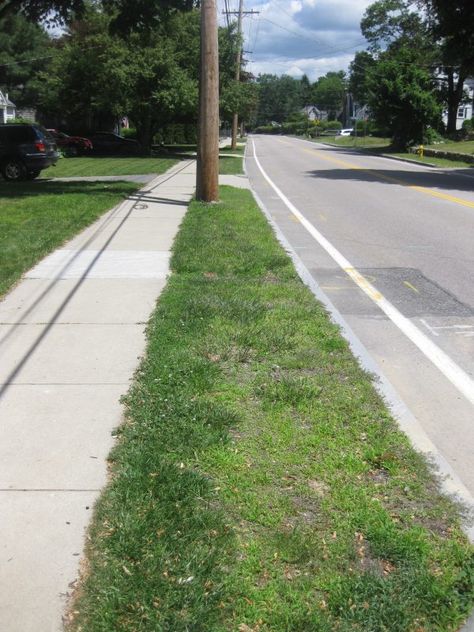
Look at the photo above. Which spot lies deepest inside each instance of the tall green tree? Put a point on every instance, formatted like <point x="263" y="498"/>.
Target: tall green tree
<point x="306" y="91"/>
<point x="329" y="93"/>
<point x="441" y="31"/>
<point x="389" y="22"/>
<point x="451" y="24"/>
<point x="359" y="72"/>
<point x="279" y="97"/>
<point x="39" y="10"/>
<point x="402" y="98"/>
<point x="24" y="49"/>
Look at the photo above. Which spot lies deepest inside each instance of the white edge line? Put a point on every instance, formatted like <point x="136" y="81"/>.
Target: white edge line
<point x="450" y="482"/>
<point x="457" y="376"/>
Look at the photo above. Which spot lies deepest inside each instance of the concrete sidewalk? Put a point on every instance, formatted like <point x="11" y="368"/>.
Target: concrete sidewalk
<point x="71" y="336"/>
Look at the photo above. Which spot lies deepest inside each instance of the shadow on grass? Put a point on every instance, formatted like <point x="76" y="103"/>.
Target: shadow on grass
<point x="53" y="187"/>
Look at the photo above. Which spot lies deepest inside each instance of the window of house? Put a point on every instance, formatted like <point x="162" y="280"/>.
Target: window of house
<point x="461" y="112"/>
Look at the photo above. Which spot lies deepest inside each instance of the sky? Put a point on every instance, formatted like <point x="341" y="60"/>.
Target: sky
<point x="297" y="37"/>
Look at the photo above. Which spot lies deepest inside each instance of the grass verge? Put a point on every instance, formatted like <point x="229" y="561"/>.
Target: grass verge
<point x="258" y="483"/>
<point x="362" y="142"/>
<point x="230" y="165"/>
<point x="240" y="149"/>
<point x="110" y="166"/>
<point x="36" y="218"/>
<point x="432" y="160"/>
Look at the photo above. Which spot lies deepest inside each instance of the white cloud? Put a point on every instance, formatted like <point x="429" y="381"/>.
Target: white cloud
<point x="303" y="36"/>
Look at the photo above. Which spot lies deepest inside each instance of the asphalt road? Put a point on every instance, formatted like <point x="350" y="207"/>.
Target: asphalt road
<point x="392" y="246"/>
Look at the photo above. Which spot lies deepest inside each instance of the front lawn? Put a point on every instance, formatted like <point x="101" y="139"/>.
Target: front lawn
<point x="462" y="147"/>
<point x="108" y="166"/>
<point x="259" y="483"/>
<point x="37" y="217"/>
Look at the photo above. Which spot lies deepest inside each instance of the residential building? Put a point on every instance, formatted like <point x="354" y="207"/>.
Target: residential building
<point x="7" y="108"/>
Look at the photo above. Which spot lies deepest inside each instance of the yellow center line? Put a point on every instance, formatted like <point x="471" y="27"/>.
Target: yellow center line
<point x="412" y="287"/>
<point x="380" y="176"/>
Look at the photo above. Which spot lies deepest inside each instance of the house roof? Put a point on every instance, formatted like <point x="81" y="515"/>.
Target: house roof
<point x="5" y="101"/>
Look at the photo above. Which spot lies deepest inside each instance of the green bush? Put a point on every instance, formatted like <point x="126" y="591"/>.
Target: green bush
<point x="131" y="132"/>
<point x="431" y="137"/>
<point x="268" y="129"/>
<point x="177" y="134"/>
<point x="20" y="121"/>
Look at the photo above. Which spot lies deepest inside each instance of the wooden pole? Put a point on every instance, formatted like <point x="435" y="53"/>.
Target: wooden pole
<point x="207" y="184"/>
<point x="235" y="118"/>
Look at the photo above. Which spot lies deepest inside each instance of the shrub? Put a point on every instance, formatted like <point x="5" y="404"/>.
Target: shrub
<point x="131" y="132"/>
<point x="431" y="136"/>
<point x="176" y="134"/>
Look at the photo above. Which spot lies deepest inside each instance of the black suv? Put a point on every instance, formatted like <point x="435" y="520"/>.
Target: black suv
<point x="25" y="150"/>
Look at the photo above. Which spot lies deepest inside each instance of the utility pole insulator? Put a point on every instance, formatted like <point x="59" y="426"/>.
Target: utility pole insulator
<point x="207" y="184"/>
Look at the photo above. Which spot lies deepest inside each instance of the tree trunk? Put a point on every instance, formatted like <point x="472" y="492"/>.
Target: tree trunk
<point x="145" y="133"/>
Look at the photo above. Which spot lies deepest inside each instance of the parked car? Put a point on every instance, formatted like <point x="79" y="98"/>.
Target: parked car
<point x="345" y="132"/>
<point x="71" y="145"/>
<point x="25" y="150"/>
<point x="110" y="143"/>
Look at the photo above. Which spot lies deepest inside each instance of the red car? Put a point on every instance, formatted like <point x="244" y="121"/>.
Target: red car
<point x="71" y="145"/>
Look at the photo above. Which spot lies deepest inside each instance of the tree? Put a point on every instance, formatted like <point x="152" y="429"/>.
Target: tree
<point x="24" y="48"/>
<point x="402" y="97"/>
<point x="129" y="15"/>
<point x="39" y="10"/>
<point x="329" y="93"/>
<point x="386" y="22"/>
<point x="452" y="26"/>
<point x="143" y="15"/>
<point x="359" y="71"/>
<point x="87" y="80"/>
<point x="279" y="97"/>
<point x="241" y="97"/>
<point x="305" y="91"/>
<point x="442" y="33"/>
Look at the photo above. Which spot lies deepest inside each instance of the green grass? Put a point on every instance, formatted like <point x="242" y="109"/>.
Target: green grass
<point x="229" y="165"/>
<point x="366" y="142"/>
<point x="438" y="162"/>
<point x="463" y="147"/>
<point x="74" y="167"/>
<point x="37" y="217"/>
<point x="258" y="483"/>
<point x="228" y="150"/>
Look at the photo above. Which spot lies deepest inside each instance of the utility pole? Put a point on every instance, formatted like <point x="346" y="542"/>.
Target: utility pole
<point x="207" y="183"/>
<point x="238" y="61"/>
<point x="240" y="14"/>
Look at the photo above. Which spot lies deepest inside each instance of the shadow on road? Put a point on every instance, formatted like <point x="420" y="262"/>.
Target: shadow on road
<point x="452" y="180"/>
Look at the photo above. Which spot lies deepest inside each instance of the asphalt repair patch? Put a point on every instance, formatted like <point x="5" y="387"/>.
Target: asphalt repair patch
<point x="413" y="294"/>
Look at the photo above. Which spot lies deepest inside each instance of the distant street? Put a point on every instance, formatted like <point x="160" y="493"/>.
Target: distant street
<point x="392" y="246"/>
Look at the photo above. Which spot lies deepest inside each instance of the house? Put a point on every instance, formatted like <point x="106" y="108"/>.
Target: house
<point x="465" y="110"/>
<point x="7" y="108"/>
<point x="315" y="114"/>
